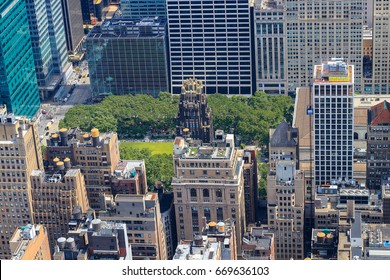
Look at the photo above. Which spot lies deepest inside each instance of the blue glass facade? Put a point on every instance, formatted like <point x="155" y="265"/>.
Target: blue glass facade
<point x="18" y="82"/>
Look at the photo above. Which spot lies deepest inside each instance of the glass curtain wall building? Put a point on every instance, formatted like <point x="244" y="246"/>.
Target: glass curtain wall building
<point x="143" y="8"/>
<point x="18" y="81"/>
<point x="211" y="41"/>
<point x="58" y="38"/>
<point x="128" y="56"/>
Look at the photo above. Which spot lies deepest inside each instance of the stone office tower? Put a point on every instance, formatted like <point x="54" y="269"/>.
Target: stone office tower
<point x="194" y="118"/>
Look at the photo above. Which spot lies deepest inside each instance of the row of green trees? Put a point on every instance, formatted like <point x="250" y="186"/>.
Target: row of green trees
<point x="134" y="116"/>
<point x="159" y="167"/>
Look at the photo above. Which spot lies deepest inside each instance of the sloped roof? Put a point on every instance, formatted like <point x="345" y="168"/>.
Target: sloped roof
<point x="280" y="136"/>
<point x="380" y="113"/>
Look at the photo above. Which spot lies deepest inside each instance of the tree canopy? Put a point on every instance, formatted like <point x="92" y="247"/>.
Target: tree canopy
<point x="134" y="116"/>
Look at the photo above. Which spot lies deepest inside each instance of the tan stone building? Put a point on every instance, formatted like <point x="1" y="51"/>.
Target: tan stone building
<point x="285" y="198"/>
<point x="142" y="216"/>
<point x="20" y="154"/>
<point x="30" y="242"/>
<point x="97" y="155"/>
<point x="53" y="197"/>
<point x="208" y="182"/>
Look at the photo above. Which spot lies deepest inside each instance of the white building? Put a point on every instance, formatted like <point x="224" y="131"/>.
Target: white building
<point x="333" y="92"/>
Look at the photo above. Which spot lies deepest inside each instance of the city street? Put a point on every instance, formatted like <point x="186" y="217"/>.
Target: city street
<point x="77" y="91"/>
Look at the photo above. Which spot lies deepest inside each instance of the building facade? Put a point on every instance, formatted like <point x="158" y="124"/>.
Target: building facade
<point x="251" y="189"/>
<point x="137" y="45"/>
<point x="285" y="198"/>
<point x="18" y="80"/>
<point x="20" y="154"/>
<point x="142" y="217"/>
<point x="378" y="146"/>
<point x="73" y="22"/>
<point x="194" y="118"/>
<point x="96" y="155"/>
<point x="49" y="46"/>
<point x="333" y="93"/>
<point x="54" y="195"/>
<point x="30" y="242"/>
<point x="271" y="47"/>
<point x="208" y="182"/>
<point x="142" y="9"/>
<point x="321" y="30"/>
<point x="212" y="47"/>
<point x="379" y="84"/>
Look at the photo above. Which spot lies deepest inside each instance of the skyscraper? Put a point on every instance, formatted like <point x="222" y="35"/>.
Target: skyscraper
<point x="271" y="47"/>
<point x="144" y="8"/>
<point x="20" y="154"/>
<point x="58" y="38"/>
<point x="18" y="81"/>
<point x="194" y="117"/>
<point x="208" y="184"/>
<point x="211" y="41"/>
<point x="333" y="92"/>
<point x="319" y="30"/>
<point x="50" y="57"/>
<point x="73" y="21"/>
<point x="380" y="83"/>
<point x="128" y="56"/>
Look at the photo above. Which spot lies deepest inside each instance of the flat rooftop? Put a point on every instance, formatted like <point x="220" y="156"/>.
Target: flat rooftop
<point x="333" y="71"/>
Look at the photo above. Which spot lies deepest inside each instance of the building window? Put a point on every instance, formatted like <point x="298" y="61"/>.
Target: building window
<point x="206" y="193"/>
<point x="218" y="193"/>
<point x="193" y="192"/>
<point x="219" y="214"/>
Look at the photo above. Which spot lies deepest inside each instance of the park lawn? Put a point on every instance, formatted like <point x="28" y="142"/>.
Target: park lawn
<point x="155" y="147"/>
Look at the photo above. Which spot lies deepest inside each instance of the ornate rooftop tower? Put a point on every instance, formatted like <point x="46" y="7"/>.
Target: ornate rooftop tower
<point x="194" y="113"/>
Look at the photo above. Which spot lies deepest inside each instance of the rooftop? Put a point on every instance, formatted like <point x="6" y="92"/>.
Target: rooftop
<point x="380" y="114"/>
<point x="333" y="71"/>
<point x="129" y="28"/>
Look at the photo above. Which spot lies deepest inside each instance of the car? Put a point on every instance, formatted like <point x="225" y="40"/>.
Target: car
<point x="68" y="96"/>
<point x="65" y="99"/>
<point x="47" y="133"/>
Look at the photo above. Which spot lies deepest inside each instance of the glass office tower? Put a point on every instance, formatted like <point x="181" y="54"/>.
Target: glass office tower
<point x="18" y="81"/>
<point x="143" y="8"/>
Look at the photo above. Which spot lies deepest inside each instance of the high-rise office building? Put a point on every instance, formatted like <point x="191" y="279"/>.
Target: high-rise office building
<point x="73" y="21"/>
<point x="319" y="30"/>
<point x="96" y="155"/>
<point x="271" y="47"/>
<point x="211" y="41"/>
<point x="208" y="182"/>
<point x="58" y="39"/>
<point x="20" y="154"/>
<point x="54" y="195"/>
<point x="194" y="118"/>
<point x="30" y="242"/>
<point x="378" y="146"/>
<point x="333" y="92"/>
<point x="128" y="56"/>
<point x="50" y="60"/>
<point x="18" y="81"/>
<point x="143" y="8"/>
<point x="380" y="83"/>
